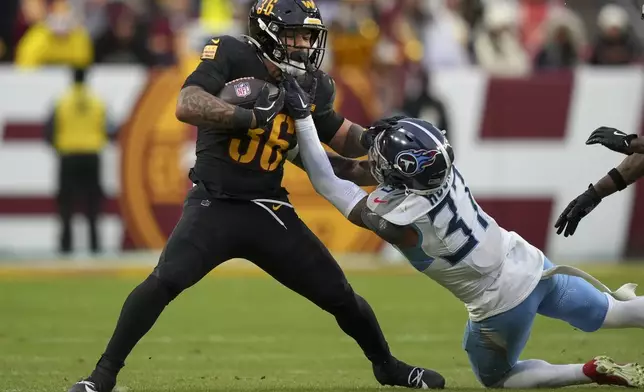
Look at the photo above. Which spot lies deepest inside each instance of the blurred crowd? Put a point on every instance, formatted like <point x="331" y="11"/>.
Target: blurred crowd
<point x="381" y="53"/>
<point x="389" y="38"/>
<point x="503" y="36"/>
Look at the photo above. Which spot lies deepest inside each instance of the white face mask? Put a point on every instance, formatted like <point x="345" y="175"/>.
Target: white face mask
<point x="292" y="68"/>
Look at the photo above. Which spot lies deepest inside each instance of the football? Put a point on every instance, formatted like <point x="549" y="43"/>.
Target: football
<point x="244" y="91"/>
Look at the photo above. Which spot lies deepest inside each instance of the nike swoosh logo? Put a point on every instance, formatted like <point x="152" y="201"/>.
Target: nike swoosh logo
<point x="215" y="41"/>
<point x="302" y="102"/>
<point x="378" y="200"/>
<point x="89" y="386"/>
<point x="277" y="207"/>
<point x="618" y="133"/>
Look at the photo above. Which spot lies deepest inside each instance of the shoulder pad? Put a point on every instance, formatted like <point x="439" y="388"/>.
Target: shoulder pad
<point x="219" y="43"/>
<point x="397" y="207"/>
<point x="400" y="208"/>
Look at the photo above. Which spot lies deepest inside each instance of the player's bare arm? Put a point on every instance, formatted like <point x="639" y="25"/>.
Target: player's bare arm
<point x="617" y="179"/>
<point x="209" y="98"/>
<point x="637" y="145"/>
<point x="347" y="140"/>
<point x="352" y="140"/>
<point x="353" y="170"/>
<point x="196" y="107"/>
<point x="342" y="135"/>
<point x="631" y="169"/>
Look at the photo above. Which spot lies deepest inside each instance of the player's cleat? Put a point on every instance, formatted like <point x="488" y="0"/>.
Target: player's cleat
<point x="89" y="385"/>
<point x="84" y="386"/>
<point x="398" y="373"/>
<point x="603" y="370"/>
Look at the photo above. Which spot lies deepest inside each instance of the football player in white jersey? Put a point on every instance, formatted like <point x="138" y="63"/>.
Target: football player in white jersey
<point x="424" y="207"/>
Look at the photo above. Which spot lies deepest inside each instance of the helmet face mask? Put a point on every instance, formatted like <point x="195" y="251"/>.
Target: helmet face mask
<point x="377" y="162"/>
<point x="275" y="25"/>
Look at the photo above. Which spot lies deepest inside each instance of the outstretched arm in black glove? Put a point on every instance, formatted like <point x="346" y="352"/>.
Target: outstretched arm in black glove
<point x="577" y="209"/>
<point x="617" y="140"/>
<point x="617" y="179"/>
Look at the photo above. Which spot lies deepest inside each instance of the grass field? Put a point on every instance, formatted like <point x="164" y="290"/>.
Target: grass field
<point x="248" y="333"/>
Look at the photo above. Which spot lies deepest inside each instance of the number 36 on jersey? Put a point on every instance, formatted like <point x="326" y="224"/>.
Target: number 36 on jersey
<point x="266" y="146"/>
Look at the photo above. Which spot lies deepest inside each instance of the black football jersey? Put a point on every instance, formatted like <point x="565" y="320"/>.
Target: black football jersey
<point x="249" y="164"/>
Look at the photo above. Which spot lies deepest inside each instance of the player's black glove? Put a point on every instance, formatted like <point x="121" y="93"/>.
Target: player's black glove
<point x="369" y="134"/>
<point x="298" y="101"/>
<point x="265" y="108"/>
<point x="613" y="139"/>
<point x="577" y="209"/>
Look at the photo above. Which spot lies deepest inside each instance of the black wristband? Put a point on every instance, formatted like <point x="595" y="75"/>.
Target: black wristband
<point x="617" y="178"/>
<point x="242" y="118"/>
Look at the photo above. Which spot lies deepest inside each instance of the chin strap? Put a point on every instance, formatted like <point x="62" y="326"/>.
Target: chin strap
<point x="285" y="67"/>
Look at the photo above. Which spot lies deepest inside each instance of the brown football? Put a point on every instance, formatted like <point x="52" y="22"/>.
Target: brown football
<point x="244" y="91"/>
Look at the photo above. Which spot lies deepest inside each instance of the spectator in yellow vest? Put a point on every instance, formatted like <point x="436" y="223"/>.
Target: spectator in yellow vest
<point x="59" y="39"/>
<point x="78" y="130"/>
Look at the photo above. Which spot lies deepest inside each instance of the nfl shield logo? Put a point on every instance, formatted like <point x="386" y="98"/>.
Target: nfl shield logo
<point x="242" y="89"/>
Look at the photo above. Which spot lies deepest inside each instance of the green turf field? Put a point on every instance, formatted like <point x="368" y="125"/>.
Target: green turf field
<point x="234" y="333"/>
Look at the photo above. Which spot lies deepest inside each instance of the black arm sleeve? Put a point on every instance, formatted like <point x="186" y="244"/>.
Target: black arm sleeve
<point x="213" y="71"/>
<point x="327" y="120"/>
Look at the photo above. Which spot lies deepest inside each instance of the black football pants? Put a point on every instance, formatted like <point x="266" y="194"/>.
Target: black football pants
<point x="79" y="183"/>
<point x="270" y="235"/>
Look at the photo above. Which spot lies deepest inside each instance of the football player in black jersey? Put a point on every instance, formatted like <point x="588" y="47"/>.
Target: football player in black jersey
<point x="238" y="208"/>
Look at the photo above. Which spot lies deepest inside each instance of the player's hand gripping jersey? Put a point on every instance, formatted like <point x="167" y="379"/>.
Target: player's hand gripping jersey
<point x="248" y="163"/>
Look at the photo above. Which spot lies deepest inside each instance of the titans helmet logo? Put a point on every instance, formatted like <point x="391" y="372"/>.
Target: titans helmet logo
<point x="412" y="162"/>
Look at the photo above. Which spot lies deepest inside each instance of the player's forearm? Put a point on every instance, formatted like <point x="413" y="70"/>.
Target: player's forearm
<point x="352" y="147"/>
<point x="197" y="107"/>
<point x="362" y="174"/>
<point x="352" y="170"/>
<point x="631" y="169"/>
<point x="637" y="145"/>
<point x="344" y="195"/>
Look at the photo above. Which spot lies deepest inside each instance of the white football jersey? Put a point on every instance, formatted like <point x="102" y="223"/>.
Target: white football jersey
<point x="462" y="248"/>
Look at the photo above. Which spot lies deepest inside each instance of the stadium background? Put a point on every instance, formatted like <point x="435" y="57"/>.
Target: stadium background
<point x="518" y="123"/>
<point x="518" y="109"/>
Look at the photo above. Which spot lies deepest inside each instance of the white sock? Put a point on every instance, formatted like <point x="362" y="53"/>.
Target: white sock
<point x="535" y="373"/>
<point x="624" y="314"/>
